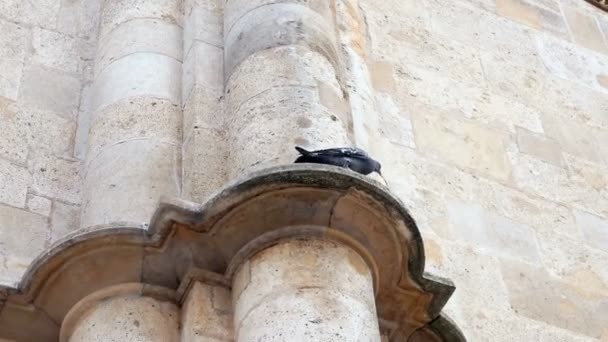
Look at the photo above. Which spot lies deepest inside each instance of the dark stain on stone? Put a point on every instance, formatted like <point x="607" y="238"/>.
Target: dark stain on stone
<point x="136" y="323"/>
<point x="301" y="141"/>
<point x="304" y="122"/>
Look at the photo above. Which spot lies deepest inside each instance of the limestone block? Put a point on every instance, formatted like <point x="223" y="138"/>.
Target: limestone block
<point x="594" y="228"/>
<point x="500" y="111"/>
<point x="79" y="18"/>
<point x="492" y="233"/>
<point x="14" y="182"/>
<point x="202" y="68"/>
<point x="575" y="138"/>
<point x="204" y="163"/>
<point x="575" y="263"/>
<point x="144" y="169"/>
<point x="394" y="124"/>
<point x="55" y="50"/>
<point x="41" y="13"/>
<point x="535" y="294"/>
<point x="116" y="12"/>
<point x="14" y="40"/>
<point x="302" y="290"/>
<point x="568" y="61"/>
<point x="260" y="134"/>
<point x="585" y="30"/>
<point x="206" y="315"/>
<point x="134" y="118"/>
<point x="203" y="108"/>
<point x="23" y="235"/>
<point x="132" y="318"/>
<point x="296" y="24"/>
<point x="463" y="143"/>
<point x="539" y="146"/>
<point x="55" y="177"/>
<point x="139" y="74"/>
<point x="10" y="81"/>
<point x="204" y="22"/>
<point x="64" y="220"/>
<point x="139" y="35"/>
<point x="11" y="144"/>
<point x="50" y="90"/>
<point x="39" y="205"/>
<point x="528" y="13"/>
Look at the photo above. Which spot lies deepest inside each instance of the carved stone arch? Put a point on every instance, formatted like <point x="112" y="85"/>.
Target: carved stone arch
<point x="186" y="241"/>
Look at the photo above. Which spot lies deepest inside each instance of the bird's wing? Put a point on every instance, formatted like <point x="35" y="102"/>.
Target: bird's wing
<point x="343" y="151"/>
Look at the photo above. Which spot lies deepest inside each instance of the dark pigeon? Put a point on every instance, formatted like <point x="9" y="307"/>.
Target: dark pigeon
<point x="347" y="157"/>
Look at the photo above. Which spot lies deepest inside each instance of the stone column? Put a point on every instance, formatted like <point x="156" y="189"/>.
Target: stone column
<point x="134" y="146"/>
<point x="206" y="314"/>
<point x="305" y="290"/>
<point x="283" y="81"/>
<point x="121" y="313"/>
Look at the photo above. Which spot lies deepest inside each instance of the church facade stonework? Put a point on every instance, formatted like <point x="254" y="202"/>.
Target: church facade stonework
<point x="147" y="191"/>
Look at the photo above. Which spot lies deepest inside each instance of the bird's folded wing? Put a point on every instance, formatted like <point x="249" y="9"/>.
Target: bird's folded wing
<point x="343" y="151"/>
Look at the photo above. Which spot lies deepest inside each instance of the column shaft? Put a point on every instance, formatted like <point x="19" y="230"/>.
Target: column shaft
<point x="134" y="151"/>
<point x="305" y="290"/>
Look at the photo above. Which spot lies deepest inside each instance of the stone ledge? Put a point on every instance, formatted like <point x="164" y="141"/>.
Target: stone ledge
<point x="187" y="241"/>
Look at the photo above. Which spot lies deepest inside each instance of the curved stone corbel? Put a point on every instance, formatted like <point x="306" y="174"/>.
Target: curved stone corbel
<point x="187" y="241"/>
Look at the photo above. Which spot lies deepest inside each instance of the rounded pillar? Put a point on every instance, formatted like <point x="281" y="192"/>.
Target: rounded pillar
<point x="283" y="82"/>
<point x="134" y="143"/>
<point x="305" y="290"/>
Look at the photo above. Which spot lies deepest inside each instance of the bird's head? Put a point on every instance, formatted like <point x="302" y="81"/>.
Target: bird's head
<point x="377" y="168"/>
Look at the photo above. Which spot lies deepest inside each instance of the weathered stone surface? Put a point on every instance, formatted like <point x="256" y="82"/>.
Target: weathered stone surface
<point x="22" y="237"/>
<point x="139" y="74"/>
<point x="204" y="22"/>
<point x="14" y="182"/>
<point x="139" y="35"/>
<point x="50" y="90"/>
<point x="534" y="294"/>
<point x="539" y="146"/>
<point x="56" y="177"/>
<point x="491" y="233"/>
<point x="55" y="50"/>
<point x="569" y="62"/>
<point x="463" y="143"/>
<point x="145" y="169"/>
<point x="134" y="118"/>
<point x="203" y="109"/>
<point x="594" y="228"/>
<point x="79" y="18"/>
<point x="116" y="12"/>
<point x="305" y="289"/>
<point x="132" y="318"/>
<point x="202" y="68"/>
<point x="64" y="220"/>
<point x="574" y="138"/>
<point x="39" y="205"/>
<point x="528" y="13"/>
<point x="14" y="40"/>
<point x="40" y="13"/>
<point x="394" y="124"/>
<point x="585" y="30"/>
<point x="202" y="319"/>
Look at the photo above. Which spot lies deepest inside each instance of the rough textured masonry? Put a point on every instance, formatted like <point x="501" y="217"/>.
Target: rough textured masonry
<point x="490" y="118"/>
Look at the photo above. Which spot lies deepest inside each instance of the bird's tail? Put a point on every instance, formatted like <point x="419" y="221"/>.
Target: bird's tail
<point x="302" y="151"/>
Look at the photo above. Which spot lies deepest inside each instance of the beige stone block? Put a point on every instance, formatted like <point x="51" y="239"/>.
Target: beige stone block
<point x="463" y="143"/>
<point x="394" y="124"/>
<point x="14" y="182"/>
<point x="116" y="12"/>
<point x="56" y="177"/>
<point x="202" y="320"/>
<point x="11" y="144"/>
<point x="23" y="234"/>
<point x="595" y="229"/>
<point x="575" y="138"/>
<point x="84" y="123"/>
<point x="64" y="220"/>
<point x="539" y="146"/>
<point x="14" y="40"/>
<point x="39" y="205"/>
<point x="204" y="22"/>
<point x="203" y="68"/>
<point x="203" y="109"/>
<point x="492" y="233"/>
<point x="50" y="90"/>
<point x="39" y="13"/>
<point x="528" y="13"/>
<point x="139" y="74"/>
<point x="144" y="169"/>
<point x="535" y="294"/>
<point x="585" y="30"/>
<point x="79" y="18"/>
<point x="55" y="50"/>
<point x="499" y="111"/>
<point x="132" y="318"/>
<point x="45" y="131"/>
<point x="204" y="163"/>
<point x="134" y="118"/>
<point x="381" y="73"/>
<point x="139" y="35"/>
<point x="297" y="24"/>
<point x="570" y="62"/>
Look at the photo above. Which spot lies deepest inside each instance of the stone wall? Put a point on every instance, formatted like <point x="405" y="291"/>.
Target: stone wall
<point x="489" y="116"/>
